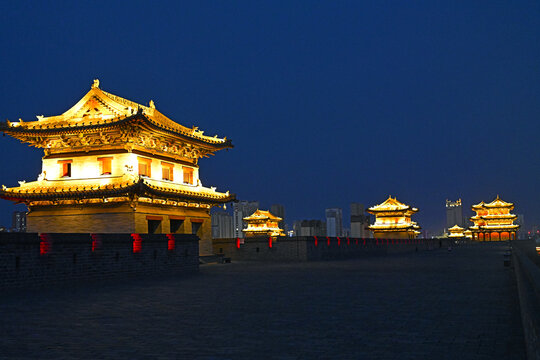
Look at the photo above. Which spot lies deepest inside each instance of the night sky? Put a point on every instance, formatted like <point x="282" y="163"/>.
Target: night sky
<point x="327" y="103"/>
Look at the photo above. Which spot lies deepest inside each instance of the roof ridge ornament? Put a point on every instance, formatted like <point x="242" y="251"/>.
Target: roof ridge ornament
<point x="95" y="84"/>
<point x="152" y="105"/>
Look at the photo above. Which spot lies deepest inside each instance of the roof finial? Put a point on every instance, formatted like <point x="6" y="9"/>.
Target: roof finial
<point x="152" y="105"/>
<point x="95" y="84"/>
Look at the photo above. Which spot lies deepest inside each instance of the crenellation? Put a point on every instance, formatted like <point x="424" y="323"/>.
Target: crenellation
<point x="71" y="258"/>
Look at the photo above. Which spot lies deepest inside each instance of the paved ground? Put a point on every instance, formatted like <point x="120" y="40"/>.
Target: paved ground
<point x="431" y="305"/>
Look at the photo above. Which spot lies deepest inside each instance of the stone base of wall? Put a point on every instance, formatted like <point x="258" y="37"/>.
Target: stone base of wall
<point x="120" y="218"/>
<point x="316" y="248"/>
<point x="528" y="282"/>
<point x="33" y="260"/>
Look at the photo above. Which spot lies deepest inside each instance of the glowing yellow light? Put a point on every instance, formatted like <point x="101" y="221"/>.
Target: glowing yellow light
<point x="263" y="223"/>
<point x="393" y="219"/>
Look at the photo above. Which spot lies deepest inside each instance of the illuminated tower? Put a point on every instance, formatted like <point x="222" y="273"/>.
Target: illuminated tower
<point x="456" y="232"/>
<point x="393" y="220"/>
<point x="114" y="166"/>
<point x="263" y="223"/>
<point x="493" y="221"/>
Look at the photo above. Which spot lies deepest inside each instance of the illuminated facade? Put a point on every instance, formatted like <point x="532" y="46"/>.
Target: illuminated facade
<point x="456" y="231"/>
<point x="393" y="220"/>
<point x="263" y="223"/>
<point x="114" y="166"/>
<point x="493" y="221"/>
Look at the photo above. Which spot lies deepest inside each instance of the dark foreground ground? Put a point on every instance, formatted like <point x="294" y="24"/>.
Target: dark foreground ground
<point x="431" y="305"/>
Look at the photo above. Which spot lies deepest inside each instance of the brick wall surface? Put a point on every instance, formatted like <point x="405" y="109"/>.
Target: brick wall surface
<point x="31" y="259"/>
<point x="527" y="269"/>
<point x="309" y="248"/>
<point x="119" y="218"/>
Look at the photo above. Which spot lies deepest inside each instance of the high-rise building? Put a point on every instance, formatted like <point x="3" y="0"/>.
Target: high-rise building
<point x="222" y="225"/>
<point x="309" y="228"/>
<point x="454" y="214"/>
<point x="334" y="222"/>
<point x="520" y="220"/>
<point x="359" y="221"/>
<point x="279" y="211"/>
<point x="241" y="210"/>
<point x="18" y="221"/>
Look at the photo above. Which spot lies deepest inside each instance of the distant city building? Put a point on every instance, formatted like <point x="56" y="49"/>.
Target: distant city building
<point x="393" y="220"/>
<point x="279" y="210"/>
<point x="334" y="222"/>
<point x="222" y="225"/>
<point x="454" y="214"/>
<point x="359" y="221"/>
<point x="309" y="228"/>
<point x="520" y="220"/>
<point x="18" y="221"/>
<point x="493" y="221"/>
<point x="263" y="223"/>
<point x="242" y="209"/>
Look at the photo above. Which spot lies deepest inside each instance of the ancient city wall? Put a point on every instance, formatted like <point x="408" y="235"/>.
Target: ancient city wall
<point x="31" y="259"/>
<point x="527" y="269"/>
<point x="309" y="248"/>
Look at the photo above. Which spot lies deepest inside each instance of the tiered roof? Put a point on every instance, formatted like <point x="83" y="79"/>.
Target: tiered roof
<point x="99" y="112"/>
<point x="262" y="215"/>
<point x="102" y="122"/>
<point x="391" y="205"/>
<point x="116" y="186"/>
<point x="493" y="216"/>
<point x="456" y="231"/>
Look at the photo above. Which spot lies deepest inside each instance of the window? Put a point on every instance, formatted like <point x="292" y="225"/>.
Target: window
<point x="188" y="175"/>
<point x="145" y="166"/>
<point x="176" y="225"/>
<point x="167" y="171"/>
<point x="105" y="165"/>
<point x="196" y="225"/>
<point x="154" y="224"/>
<point x="65" y="168"/>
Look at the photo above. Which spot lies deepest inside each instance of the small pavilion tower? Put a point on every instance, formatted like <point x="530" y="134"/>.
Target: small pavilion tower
<point x="263" y="223"/>
<point x="456" y="232"/>
<point x="493" y="221"/>
<point x="393" y="220"/>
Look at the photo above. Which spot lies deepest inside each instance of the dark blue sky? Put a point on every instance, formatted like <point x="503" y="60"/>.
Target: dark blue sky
<point x="326" y="102"/>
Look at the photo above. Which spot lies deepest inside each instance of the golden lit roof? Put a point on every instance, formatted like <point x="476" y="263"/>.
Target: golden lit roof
<point x="479" y="205"/>
<point x="99" y="108"/>
<point x="391" y="204"/>
<point x="394" y="227"/>
<point x="262" y="215"/>
<point x="498" y="203"/>
<point x="455" y="228"/>
<point x="110" y="186"/>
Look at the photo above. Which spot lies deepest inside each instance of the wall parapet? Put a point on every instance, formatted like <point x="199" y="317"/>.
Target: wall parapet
<point x="41" y="260"/>
<point x="313" y="248"/>
<point x="527" y="272"/>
